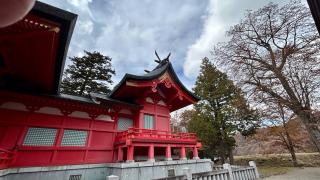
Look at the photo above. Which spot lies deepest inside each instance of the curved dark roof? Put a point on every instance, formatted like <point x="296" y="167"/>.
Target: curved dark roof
<point x="67" y="21"/>
<point x="113" y="101"/>
<point x="90" y="100"/>
<point x="157" y="72"/>
<point x="44" y="13"/>
<point x="315" y="11"/>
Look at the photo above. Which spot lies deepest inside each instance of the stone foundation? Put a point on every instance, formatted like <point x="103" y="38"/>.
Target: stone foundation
<point x="126" y="171"/>
<point x="154" y="170"/>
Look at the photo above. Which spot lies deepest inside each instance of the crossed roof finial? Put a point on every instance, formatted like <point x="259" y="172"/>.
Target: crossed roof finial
<point x="159" y="60"/>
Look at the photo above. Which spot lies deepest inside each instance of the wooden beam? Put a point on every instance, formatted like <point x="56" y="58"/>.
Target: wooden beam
<point x="141" y="84"/>
<point x="172" y="98"/>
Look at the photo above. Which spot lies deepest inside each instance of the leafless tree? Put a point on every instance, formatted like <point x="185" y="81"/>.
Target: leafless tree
<point x="274" y="54"/>
<point x="174" y="122"/>
<point x="279" y="117"/>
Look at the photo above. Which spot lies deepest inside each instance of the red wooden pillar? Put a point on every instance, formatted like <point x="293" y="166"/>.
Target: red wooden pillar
<point x="195" y="153"/>
<point x="120" y="154"/>
<point x="141" y="123"/>
<point x="183" y="153"/>
<point x="130" y="152"/>
<point x="168" y="153"/>
<point x="151" y="153"/>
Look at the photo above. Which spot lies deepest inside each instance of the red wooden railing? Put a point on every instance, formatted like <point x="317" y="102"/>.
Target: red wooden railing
<point x="138" y="133"/>
<point x="5" y="157"/>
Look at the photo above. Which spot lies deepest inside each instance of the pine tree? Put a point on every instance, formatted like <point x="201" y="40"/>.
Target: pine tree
<point x="221" y="113"/>
<point x="89" y="73"/>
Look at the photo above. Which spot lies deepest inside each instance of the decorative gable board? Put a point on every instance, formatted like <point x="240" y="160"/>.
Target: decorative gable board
<point x="162" y="103"/>
<point x="14" y="106"/>
<point x="80" y="114"/>
<point x="125" y="111"/>
<point x="149" y="100"/>
<point x="104" y="118"/>
<point x="49" y="110"/>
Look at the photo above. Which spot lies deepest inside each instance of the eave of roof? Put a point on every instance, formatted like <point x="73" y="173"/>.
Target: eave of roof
<point x="67" y="21"/>
<point x="159" y="71"/>
<point x="87" y="100"/>
<point x="315" y="11"/>
<point x="114" y="101"/>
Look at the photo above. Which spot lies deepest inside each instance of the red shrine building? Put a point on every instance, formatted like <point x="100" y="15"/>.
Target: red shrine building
<point x="41" y="127"/>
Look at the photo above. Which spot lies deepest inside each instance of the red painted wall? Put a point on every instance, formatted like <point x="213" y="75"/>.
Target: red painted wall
<point x="14" y="125"/>
<point x="161" y="115"/>
<point x="101" y="134"/>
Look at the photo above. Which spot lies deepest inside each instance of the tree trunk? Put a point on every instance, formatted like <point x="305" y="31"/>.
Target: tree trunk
<point x="290" y="146"/>
<point x="312" y="127"/>
<point x="293" y="156"/>
<point x="314" y="134"/>
<point x="230" y="154"/>
<point x="223" y="160"/>
<point x="83" y="87"/>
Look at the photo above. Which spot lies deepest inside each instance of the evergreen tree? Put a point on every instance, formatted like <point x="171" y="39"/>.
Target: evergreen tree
<point x="89" y="73"/>
<point x="221" y="113"/>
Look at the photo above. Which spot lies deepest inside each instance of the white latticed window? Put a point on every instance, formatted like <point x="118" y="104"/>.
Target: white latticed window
<point x="74" y="138"/>
<point x="148" y="121"/>
<point x="124" y="124"/>
<point x="40" y="137"/>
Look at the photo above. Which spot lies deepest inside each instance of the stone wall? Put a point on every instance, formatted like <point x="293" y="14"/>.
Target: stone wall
<point x="149" y="170"/>
<point x="126" y="171"/>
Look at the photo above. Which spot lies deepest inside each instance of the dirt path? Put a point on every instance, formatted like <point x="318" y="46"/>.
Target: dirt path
<point x="298" y="174"/>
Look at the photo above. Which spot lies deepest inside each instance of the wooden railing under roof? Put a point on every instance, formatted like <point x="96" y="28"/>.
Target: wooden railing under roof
<point x="138" y="133"/>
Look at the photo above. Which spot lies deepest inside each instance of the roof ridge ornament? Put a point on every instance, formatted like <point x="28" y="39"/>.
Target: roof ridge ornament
<point x="160" y="61"/>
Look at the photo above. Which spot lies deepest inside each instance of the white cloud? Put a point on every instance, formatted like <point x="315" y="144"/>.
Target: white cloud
<point x="129" y="31"/>
<point x="85" y="27"/>
<point x="79" y="3"/>
<point x="220" y="16"/>
<point x="82" y="6"/>
<point x="201" y="48"/>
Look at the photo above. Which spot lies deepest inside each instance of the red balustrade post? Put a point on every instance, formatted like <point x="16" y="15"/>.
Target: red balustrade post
<point x="183" y="153"/>
<point x="151" y="153"/>
<point x="120" y="154"/>
<point x="195" y="153"/>
<point x="130" y="154"/>
<point x="168" y="153"/>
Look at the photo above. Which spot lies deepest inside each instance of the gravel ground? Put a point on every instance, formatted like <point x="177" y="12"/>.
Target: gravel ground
<point x="309" y="173"/>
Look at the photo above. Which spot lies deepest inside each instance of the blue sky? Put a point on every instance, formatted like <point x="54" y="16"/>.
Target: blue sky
<point x="130" y="30"/>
